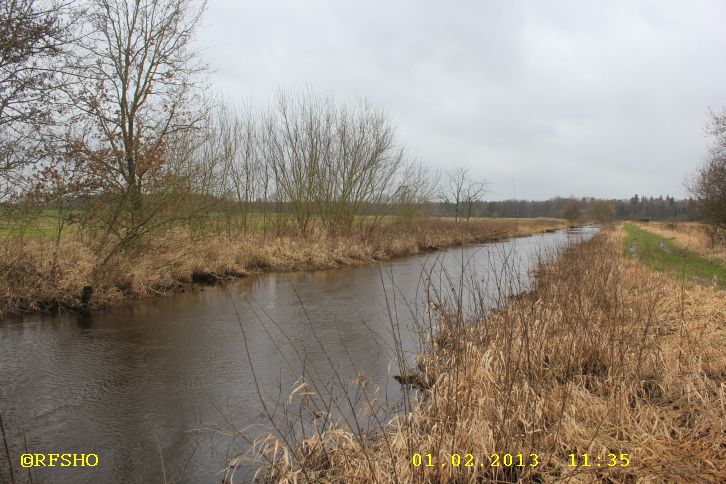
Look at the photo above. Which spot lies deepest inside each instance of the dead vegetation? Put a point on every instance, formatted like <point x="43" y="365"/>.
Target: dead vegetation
<point x="605" y="357"/>
<point x="42" y="275"/>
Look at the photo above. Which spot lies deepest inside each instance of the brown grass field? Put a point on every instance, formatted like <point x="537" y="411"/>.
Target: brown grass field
<point x="35" y="275"/>
<point x="604" y="358"/>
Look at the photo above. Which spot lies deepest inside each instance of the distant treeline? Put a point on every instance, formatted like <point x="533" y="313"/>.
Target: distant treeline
<point x="654" y="208"/>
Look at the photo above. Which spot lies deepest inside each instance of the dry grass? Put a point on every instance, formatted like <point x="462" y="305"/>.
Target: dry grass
<point x="691" y="236"/>
<point x="604" y="357"/>
<point x="35" y="275"/>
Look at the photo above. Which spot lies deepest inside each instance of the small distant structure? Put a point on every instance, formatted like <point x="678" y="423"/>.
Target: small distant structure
<point x="402" y="194"/>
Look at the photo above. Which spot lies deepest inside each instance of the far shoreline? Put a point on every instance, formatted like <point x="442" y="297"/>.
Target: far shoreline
<point x="280" y="255"/>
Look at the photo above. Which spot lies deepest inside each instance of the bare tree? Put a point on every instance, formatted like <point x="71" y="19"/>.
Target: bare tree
<point x="136" y="105"/>
<point x="365" y="163"/>
<point x="295" y="135"/>
<point x="462" y="192"/>
<point x="473" y="193"/>
<point x="454" y="190"/>
<point x="417" y="187"/>
<point x="233" y="139"/>
<point x="135" y="90"/>
<point x="709" y="184"/>
<point x="32" y="35"/>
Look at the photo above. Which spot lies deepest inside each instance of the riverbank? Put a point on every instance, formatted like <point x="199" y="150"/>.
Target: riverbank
<point x="609" y="371"/>
<point x="41" y="276"/>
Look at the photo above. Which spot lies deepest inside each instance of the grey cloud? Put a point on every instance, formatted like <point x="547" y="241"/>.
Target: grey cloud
<point x="551" y="97"/>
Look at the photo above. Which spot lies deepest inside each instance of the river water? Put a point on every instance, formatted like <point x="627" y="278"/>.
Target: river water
<point x="165" y="388"/>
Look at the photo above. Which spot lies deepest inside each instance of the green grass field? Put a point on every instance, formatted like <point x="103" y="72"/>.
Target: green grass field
<point x="42" y="225"/>
<point x="663" y="255"/>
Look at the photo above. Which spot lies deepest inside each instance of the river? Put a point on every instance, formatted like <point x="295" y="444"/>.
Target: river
<point x="159" y="389"/>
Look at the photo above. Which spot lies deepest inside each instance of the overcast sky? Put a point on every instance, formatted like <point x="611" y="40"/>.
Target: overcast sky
<point x="541" y="98"/>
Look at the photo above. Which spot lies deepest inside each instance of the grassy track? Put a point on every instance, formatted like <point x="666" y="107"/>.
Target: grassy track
<point x="663" y="255"/>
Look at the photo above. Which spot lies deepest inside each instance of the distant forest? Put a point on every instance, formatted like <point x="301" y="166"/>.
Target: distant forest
<point x="653" y="208"/>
